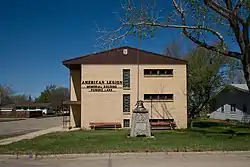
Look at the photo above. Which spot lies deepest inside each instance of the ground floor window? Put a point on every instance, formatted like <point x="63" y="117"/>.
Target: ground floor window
<point x="222" y="108"/>
<point x="244" y="108"/>
<point x="126" y="123"/>
<point x="233" y="107"/>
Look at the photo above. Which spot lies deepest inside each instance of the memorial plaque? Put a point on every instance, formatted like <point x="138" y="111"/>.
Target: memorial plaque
<point x="140" y="125"/>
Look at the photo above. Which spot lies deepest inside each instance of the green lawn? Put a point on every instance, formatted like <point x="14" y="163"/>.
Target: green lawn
<point x="211" y="137"/>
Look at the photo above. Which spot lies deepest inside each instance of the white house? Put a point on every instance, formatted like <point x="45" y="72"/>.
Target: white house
<point x="44" y="107"/>
<point x="233" y="103"/>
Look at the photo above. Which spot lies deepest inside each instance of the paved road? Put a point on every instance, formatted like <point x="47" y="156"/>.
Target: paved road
<point x="29" y="125"/>
<point x="152" y="160"/>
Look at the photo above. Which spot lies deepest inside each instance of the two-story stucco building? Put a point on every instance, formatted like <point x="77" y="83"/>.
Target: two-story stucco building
<point x="105" y="86"/>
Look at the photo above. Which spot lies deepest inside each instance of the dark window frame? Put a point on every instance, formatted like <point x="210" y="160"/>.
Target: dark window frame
<point x="158" y="72"/>
<point x="126" y="107"/>
<point x="233" y="107"/>
<point x="126" y="81"/>
<point x="25" y="108"/>
<point x="244" y="108"/>
<point x="222" y="108"/>
<point x="126" y="123"/>
<point x="159" y="97"/>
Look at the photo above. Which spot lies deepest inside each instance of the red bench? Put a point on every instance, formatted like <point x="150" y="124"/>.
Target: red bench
<point x="95" y="125"/>
<point x="163" y="125"/>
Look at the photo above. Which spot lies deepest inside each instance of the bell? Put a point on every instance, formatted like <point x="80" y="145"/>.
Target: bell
<point x="140" y="107"/>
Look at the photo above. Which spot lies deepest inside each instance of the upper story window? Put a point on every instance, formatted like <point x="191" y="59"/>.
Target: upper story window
<point x="126" y="78"/>
<point x="158" y="72"/>
<point x="159" y="97"/>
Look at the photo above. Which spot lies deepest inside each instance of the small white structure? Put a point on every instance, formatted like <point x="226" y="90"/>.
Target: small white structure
<point x="7" y="108"/>
<point x="44" y="107"/>
<point x="233" y="103"/>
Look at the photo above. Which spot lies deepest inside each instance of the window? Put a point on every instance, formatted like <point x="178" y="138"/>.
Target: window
<point x="222" y="108"/>
<point x="25" y="108"/>
<point x="158" y="72"/>
<point x="244" y="108"/>
<point x="126" y="123"/>
<point x="126" y="78"/>
<point x="126" y="103"/>
<point x="163" y="97"/>
<point x="233" y="107"/>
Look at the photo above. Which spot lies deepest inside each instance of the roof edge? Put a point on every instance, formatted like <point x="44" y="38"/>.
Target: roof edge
<point x="156" y="54"/>
<point x="228" y="87"/>
<point x="93" y="54"/>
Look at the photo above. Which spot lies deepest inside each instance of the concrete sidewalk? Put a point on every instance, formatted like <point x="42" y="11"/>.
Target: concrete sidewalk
<point x="28" y="125"/>
<point x="31" y="135"/>
<point x="184" y="159"/>
<point x="127" y="155"/>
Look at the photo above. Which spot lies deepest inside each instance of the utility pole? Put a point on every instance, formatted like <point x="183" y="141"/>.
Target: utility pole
<point x="138" y="66"/>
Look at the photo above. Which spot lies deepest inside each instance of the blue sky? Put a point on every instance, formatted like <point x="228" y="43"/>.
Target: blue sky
<point x="36" y="35"/>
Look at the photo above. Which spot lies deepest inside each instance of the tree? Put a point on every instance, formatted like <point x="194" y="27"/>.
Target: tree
<point x="205" y="78"/>
<point x="175" y="49"/>
<point x="200" y="21"/>
<point x="19" y="99"/>
<point x="239" y="77"/>
<point x="45" y="96"/>
<point x="206" y="75"/>
<point x="5" y="92"/>
<point x="54" y="95"/>
<point x="7" y="96"/>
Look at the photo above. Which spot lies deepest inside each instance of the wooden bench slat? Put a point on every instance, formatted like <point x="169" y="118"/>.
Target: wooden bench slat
<point x="104" y="123"/>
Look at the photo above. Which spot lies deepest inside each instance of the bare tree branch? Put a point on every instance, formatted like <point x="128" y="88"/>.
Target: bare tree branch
<point x="237" y="7"/>
<point x="226" y="13"/>
<point x="176" y="26"/>
<point x="130" y="26"/>
<point x="229" y="4"/>
<point x="203" y="44"/>
<point x="248" y="20"/>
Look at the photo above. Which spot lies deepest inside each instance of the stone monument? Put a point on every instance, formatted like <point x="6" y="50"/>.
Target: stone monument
<point x="140" y="125"/>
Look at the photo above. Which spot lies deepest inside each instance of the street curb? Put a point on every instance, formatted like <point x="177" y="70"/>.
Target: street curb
<point x="118" y="155"/>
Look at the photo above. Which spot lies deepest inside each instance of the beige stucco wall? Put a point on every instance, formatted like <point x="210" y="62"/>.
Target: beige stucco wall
<point x="75" y="85"/>
<point x="108" y="106"/>
<point x="75" y="116"/>
<point x="75" y="95"/>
